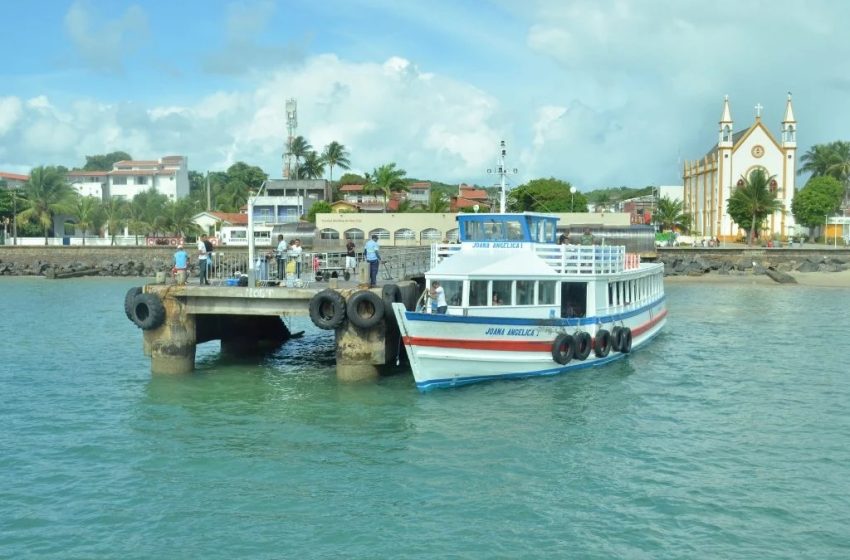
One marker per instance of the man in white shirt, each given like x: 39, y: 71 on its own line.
x: 280, y: 255
x: 438, y: 295
x: 202, y: 260
x: 295, y: 253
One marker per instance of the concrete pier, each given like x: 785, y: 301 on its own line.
x: 249, y: 320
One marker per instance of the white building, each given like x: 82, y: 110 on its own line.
x: 169, y: 176
x: 89, y: 183
x: 709, y: 181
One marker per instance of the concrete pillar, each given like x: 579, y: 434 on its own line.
x: 172, y: 345
x: 360, y: 352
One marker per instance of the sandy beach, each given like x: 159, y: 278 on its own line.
x: 818, y: 279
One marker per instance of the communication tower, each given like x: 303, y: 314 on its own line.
x: 291, y: 125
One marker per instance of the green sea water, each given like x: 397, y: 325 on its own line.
x: 729, y: 437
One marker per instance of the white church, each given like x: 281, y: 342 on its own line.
x: 711, y: 180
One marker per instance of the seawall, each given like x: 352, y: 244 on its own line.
x: 147, y: 261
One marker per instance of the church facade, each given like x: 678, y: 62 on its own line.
x: 709, y: 181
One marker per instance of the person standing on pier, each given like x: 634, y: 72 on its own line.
x: 296, y: 253
x: 350, y: 254
x: 202, y: 260
x: 181, y: 260
x: 373, y: 257
x: 280, y: 255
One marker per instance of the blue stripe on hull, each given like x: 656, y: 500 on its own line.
x: 426, y: 386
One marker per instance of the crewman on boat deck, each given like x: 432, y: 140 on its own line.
x: 587, y: 237
x: 563, y: 239
x: 438, y: 295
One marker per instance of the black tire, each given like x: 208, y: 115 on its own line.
x: 148, y: 311
x: 365, y: 309
x: 616, y: 338
x: 318, y: 276
x: 626, y: 345
x: 602, y: 343
x: 327, y: 309
x: 583, y: 345
x: 346, y: 275
x: 128, y: 301
x: 391, y: 294
x: 563, y: 348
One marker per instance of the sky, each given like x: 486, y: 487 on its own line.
x: 600, y: 93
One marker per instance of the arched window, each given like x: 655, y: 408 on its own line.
x: 380, y: 232
x: 354, y: 234
x: 329, y: 233
x: 727, y: 133
x: 452, y: 235
x: 405, y: 233
x: 429, y: 234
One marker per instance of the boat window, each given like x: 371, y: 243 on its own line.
x: 453, y: 290
x: 514, y: 231
x: 546, y: 293
x: 573, y: 299
x: 550, y: 231
x: 525, y: 292
x: 501, y: 292
x: 478, y: 293
x: 493, y: 230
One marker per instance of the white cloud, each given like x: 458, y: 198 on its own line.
x: 10, y: 112
x: 103, y: 45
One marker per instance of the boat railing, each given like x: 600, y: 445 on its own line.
x: 566, y: 259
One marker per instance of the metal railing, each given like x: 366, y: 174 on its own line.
x: 566, y: 259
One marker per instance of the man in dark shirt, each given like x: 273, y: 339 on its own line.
x: 209, y: 246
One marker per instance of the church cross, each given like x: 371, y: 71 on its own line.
x: 758, y: 110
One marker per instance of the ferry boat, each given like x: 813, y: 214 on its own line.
x: 522, y: 305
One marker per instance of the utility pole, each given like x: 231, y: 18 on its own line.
x: 209, y: 197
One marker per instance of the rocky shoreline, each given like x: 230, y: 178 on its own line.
x: 751, y: 264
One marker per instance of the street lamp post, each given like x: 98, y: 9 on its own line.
x: 572, y: 199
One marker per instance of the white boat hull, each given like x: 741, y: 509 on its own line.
x: 452, y: 350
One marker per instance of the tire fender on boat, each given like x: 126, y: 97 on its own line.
x: 365, y: 309
x: 616, y: 338
x: 148, y: 312
x: 583, y: 345
x: 626, y: 344
x: 390, y: 294
x: 327, y: 309
x: 602, y: 343
x: 563, y: 348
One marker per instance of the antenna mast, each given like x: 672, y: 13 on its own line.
x: 502, y: 171
x: 291, y: 125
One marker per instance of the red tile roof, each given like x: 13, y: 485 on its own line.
x: 351, y: 188
x: 81, y: 173
x: 235, y: 218
x: 459, y: 202
x: 127, y: 162
x: 422, y: 185
x: 13, y: 176
x: 466, y: 191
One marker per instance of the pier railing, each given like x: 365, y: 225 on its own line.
x: 566, y: 259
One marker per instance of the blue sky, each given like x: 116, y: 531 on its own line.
x: 596, y: 92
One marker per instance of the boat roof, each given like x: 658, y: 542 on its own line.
x: 493, y: 264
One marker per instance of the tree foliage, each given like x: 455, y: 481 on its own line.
x: 45, y: 194
x: 752, y: 202
x: 546, y: 195
x: 387, y: 179
x: 820, y: 197
x: 827, y: 160
x: 352, y: 179
x: 104, y: 162
x: 313, y: 166
x: 299, y: 148
x: 669, y: 215
x: 335, y: 155
x: 318, y: 207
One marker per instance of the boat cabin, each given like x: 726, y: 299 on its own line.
x: 511, y: 264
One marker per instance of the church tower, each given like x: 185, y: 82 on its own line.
x: 789, y: 151
x: 723, y: 184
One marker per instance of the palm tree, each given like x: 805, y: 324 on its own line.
x: 753, y: 201
x: 388, y: 179
x: 299, y: 148
x: 437, y: 203
x: 46, y: 193
x: 602, y: 198
x: 114, y: 214
x: 313, y: 166
x: 669, y: 214
x: 335, y: 155
x: 86, y: 210
x: 178, y: 217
